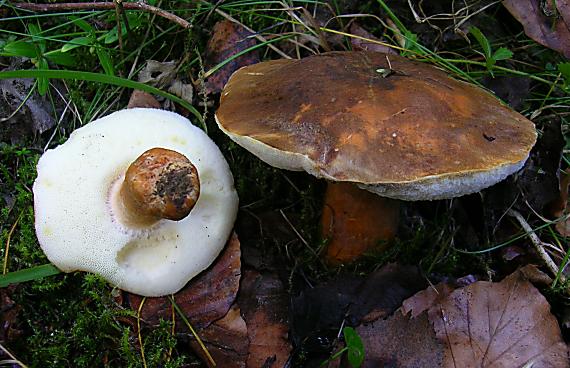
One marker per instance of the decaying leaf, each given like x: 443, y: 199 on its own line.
x: 17, y: 121
x: 158, y: 74
x: 228, y: 39
x: 401, y: 342
x: 539, y: 181
x: 263, y: 301
x: 358, y: 43
x: 541, y: 22
x: 559, y: 207
x: 504, y: 324
x: 319, y: 312
x: 8, y: 315
x: 226, y: 340
x: 142, y: 99
x: 204, y: 299
x: 164, y: 75
x: 356, y: 221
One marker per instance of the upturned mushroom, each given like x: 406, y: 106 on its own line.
x: 397, y: 128
x: 141, y: 197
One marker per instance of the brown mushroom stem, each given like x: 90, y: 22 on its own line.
x: 356, y: 222
x: 159, y: 184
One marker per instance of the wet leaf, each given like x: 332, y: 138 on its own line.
x: 502, y: 324
x: 543, y: 26
x: 227, y: 40
x: 264, y: 301
x: 204, y: 299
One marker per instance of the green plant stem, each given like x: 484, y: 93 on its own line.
x: 503, y: 69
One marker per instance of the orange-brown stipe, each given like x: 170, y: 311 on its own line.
x: 356, y: 222
x: 159, y: 184
x: 358, y: 123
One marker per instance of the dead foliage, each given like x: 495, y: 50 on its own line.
x: 263, y: 301
x: 228, y: 39
x: 319, y: 312
x: 484, y: 324
x: 545, y: 22
x: 33, y: 117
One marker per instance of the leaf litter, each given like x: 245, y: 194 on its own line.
x: 484, y: 324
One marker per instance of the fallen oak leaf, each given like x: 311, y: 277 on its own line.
x: 500, y: 324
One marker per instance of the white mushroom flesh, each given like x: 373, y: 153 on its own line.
x: 74, y: 199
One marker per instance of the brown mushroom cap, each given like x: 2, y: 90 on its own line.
x: 399, y: 128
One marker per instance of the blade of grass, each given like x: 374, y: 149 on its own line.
x: 101, y: 78
x: 198, y: 339
x: 29, y: 274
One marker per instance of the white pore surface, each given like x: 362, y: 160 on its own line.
x: 78, y: 231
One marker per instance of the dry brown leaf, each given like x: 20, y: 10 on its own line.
x: 401, y: 342
x: 228, y: 39
x: 226, y: 340
x: 263, y: 301
x: 204, y: 299
x: 356, y: 221
x: 541, y: 24
x: 142, y: 99
x: 359, y: 44
x: 504, y: 324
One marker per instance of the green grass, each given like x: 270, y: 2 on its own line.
x: 74, y: 320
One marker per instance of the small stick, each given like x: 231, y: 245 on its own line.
x: 139, y: 5
x: 538, y: 244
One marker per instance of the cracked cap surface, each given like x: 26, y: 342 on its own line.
x: 399, y: 128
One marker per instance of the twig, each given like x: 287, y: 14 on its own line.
x: 537, y: 243
x: 139, y: 5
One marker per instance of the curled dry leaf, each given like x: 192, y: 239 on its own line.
x: 504, y: 324
x: 227, y: 40
x: 263, y: 301
x: 541, y: 24
x: 204, y: 299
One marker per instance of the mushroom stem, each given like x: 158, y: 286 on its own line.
x: 356, y: 222
x: 159, y: 184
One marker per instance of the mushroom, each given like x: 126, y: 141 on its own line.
x: 397, y: 128
x: 141, y: 197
